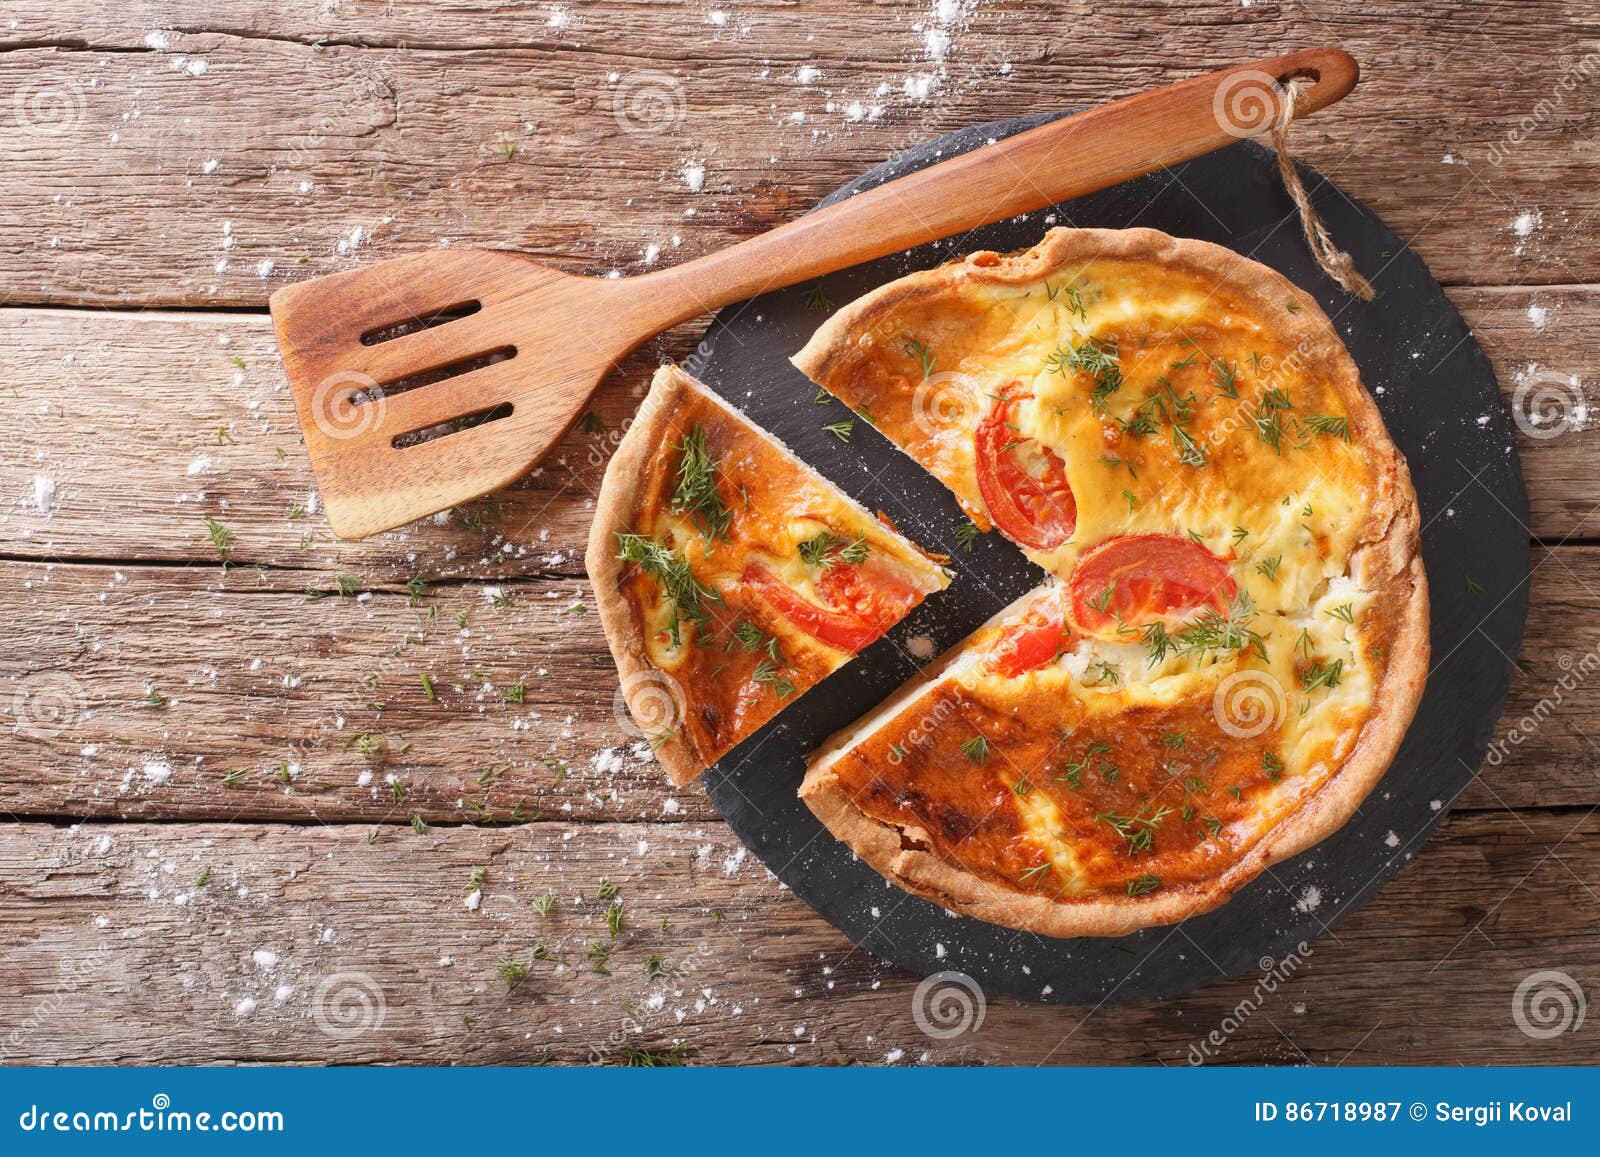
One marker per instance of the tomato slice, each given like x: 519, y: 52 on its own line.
x: 864, y: 601
x: 1036, y: 640
x: 1150, y: 576
x: 1023, y: 483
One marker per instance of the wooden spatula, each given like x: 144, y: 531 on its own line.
x: 426, y: 381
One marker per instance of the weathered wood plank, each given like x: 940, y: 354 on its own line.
x: 136, y: 178
x: 283, y: 708
x: 142, y: 426
x: 195, y: 411
x: 258, y: 680
x: 117, y: 953
x: 1549, y: 380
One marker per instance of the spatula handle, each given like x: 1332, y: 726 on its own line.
x: 1054, y: 162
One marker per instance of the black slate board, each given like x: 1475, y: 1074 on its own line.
x: 1440, y: 400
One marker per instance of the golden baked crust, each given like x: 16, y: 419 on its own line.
x: 1199, y: 717
x: 713, y: 612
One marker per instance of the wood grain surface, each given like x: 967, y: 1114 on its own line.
x: 244, y: 820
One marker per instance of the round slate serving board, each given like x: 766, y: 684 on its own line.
x: 1440, y: 400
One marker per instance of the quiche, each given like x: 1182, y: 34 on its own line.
x: 730, y: 577
x: 1231, y: 635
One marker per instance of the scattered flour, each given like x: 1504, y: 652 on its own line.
x: 44, y: 491
x: 1523, y: 225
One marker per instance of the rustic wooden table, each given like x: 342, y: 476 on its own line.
x: 275, y: 797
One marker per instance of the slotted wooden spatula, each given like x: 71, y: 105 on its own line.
x: 426, y: 381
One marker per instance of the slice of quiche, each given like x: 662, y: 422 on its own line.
x: 730, y: 576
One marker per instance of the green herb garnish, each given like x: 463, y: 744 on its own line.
x: 672, y: 571
x: 1328, y: 425
x: 923, y: 355
x: 1138, y: 831
x: 1144, y: 885
x: 1096, y: 358
x: 696, y: 495
x: 828, y: 550
x: 1321, y: 674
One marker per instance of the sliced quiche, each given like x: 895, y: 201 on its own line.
x: 730, y: 576
x: 1233, y: 634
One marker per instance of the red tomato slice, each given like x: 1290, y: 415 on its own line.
x: 1023, y: 483
x: 1036, y: 640
x: 863, y: 602
x: 1151, y: 576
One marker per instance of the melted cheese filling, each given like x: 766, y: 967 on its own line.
x: 1240, y: 449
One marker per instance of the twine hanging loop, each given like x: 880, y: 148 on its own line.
x: 1335, y: 262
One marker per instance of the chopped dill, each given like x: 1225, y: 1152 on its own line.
x: 696, y: 495
x: 828, y: 550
